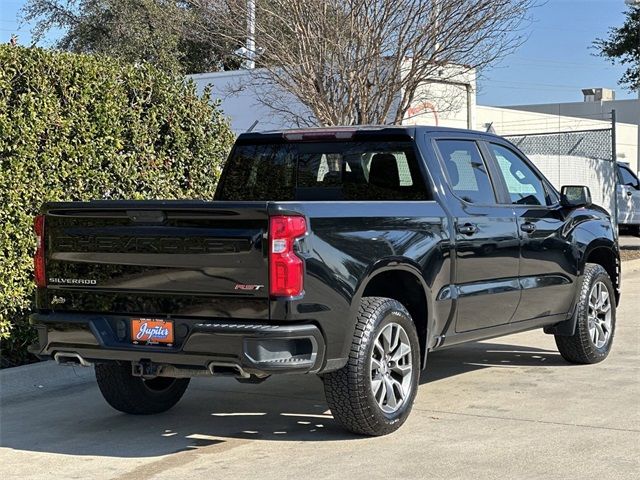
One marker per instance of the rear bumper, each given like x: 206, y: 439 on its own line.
x: 257, y: 348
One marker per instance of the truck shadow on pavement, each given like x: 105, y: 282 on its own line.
x: 217, y: 414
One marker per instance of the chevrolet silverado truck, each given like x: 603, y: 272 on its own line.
x: 350, y: 253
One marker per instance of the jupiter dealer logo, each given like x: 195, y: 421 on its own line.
x: 149, y: 334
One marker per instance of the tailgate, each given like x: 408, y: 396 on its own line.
x: 202, y: 259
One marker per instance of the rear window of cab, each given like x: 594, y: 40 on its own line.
x: 323, y: 171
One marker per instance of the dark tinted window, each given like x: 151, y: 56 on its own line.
x: 323, y: 171
x: 467, y: 171
x: 524, y: 186
x: 627, y: 178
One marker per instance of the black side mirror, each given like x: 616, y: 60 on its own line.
x: 575, y: 196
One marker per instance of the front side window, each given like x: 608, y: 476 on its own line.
x: 628, y: 178
x: 524, y: 186
x: 467, y: 171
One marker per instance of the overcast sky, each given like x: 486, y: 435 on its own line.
x: 552, y: 66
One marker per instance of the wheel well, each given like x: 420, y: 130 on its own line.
x: 605, y: 257
x: 406, y: 289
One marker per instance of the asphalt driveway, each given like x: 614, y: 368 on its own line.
x: 506, y: 408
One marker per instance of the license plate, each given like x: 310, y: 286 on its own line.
x: 149, y: 331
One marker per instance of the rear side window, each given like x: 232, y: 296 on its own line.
x: 324, y: 171
x: 467, y: 171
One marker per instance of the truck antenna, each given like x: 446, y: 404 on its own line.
x: 250, y: 129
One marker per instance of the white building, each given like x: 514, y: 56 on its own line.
x: 246, y: 98
x: 598, y: 104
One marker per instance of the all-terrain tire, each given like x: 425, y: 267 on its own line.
x: 137, y: 396
x: 349, y: 391
x: 581, y: 347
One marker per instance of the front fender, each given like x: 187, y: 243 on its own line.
x: 593, y: 239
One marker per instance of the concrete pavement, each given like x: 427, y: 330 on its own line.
x: 508, y: 408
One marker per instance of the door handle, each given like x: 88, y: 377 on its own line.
x: 629, y: 193
x: 528, y: 227
x: 467, y: 229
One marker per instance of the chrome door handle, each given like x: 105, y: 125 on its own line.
x: 528, y: 227
x: 467, y: 229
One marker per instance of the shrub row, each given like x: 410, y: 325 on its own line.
x: 82, y: 127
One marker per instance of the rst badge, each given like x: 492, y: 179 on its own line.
x: 247, y: 286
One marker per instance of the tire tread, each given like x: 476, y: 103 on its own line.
x: 579, y: 348
x: 346, y: 389
x: 126, y: 393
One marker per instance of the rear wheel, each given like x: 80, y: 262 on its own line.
x: 136, y: 395
x: 373, y: 394
x: 596, y: 319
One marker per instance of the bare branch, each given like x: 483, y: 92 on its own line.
x: 367, y: 61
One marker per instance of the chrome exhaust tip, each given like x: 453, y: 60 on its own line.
x: 72, y: 359
x: 227, y: 368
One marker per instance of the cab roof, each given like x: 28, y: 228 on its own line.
x: 371, y: 132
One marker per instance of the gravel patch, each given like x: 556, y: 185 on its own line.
x: 629, y: 254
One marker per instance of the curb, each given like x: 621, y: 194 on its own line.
x: 41, y: 378
x: 626, y: 242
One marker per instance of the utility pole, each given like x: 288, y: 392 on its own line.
x: 250, y: 62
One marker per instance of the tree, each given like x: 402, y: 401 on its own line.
x: 365, y: 61
x: 162, y: 32
x: 623, y: 45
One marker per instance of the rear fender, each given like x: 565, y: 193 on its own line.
x: 397, y: 264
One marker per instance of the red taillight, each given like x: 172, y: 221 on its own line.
x: 286, y: 269
x: 38, y: 259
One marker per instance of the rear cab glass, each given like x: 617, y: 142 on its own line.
x: 328, y: 170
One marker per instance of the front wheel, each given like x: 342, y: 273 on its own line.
x: 136, y: 395
x: 596, y: 319
x: 374, y: 392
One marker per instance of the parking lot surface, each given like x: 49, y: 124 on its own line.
x: 505, y: 408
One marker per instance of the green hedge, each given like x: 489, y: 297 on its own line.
x: 80, y: 127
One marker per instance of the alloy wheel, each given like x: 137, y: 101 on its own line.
x: 599, y: 314
x: 391, y: 368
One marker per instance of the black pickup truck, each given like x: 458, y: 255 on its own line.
x: 349, y: 253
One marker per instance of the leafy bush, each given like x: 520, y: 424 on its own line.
x: 80, y: 127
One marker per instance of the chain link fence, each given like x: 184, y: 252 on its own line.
x: 575, y: 158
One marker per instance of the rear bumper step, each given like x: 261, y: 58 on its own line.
x: 215, y: 347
